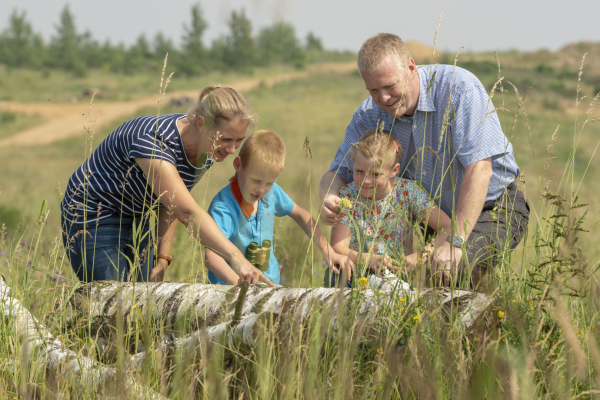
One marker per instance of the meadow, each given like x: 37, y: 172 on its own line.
x: 541, y: 339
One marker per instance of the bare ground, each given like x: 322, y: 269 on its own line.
x: 66, y: 120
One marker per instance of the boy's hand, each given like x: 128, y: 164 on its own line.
x: 378, y: 263
x: 248, y: 272
x: 331, y: 212
x: 340, y: 263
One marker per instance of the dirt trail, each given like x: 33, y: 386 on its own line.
x: 66, y: 120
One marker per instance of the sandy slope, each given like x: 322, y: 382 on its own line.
x: 67, y: 120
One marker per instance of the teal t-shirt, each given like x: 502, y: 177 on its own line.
x: 226, y: 212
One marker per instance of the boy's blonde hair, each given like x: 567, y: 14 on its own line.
x: 379, y: 146
x: 266, y: 148
x: 217, y: 103
x: 380, y: 47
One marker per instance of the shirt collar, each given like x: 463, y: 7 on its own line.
x: 425, y: 98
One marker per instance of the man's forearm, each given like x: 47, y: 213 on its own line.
x: 331, y: 183
x: 472, y: 196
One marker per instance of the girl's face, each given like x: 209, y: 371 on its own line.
x: 372, y: 178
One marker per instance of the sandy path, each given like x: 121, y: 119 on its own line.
x: 67, y: 120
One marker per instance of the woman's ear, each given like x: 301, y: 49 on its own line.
x: 237, y: 163
x: 200, y: 123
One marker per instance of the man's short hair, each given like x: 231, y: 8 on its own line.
x: 378, y: 48
x: 266, y: 148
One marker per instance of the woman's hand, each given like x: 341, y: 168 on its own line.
x: 158, y: 272
x: 378, y: 263
x: 340, y: 264
x: 248, y: 272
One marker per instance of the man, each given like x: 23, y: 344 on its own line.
x: 453, y: 145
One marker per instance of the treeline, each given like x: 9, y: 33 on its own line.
x: 75, y: 51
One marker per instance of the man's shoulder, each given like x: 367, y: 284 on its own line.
x: 442, y: 75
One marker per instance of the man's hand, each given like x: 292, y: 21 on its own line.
x: 329, y: 213
x: 248, y: 272
x: 340, y: 263
x: 158, y: 272
x: 444, y: 263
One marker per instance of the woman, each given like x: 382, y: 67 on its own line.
x: 149, y: 163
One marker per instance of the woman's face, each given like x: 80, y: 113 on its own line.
x: 372, y: 178
x: 225, y: 138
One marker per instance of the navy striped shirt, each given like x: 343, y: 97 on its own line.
x: 455, y: 125
x: 110, y: 183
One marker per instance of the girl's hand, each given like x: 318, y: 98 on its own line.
x: 340, y: 263
x: 378, y: 263
x: 248, y: 272
x: 158, y: 272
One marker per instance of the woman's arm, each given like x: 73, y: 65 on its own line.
x: 167, y: 224
x: 312, y: 230
x: 219, y: 267
x: 174, y: 195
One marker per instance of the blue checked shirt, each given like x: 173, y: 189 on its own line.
x: 454, y: 126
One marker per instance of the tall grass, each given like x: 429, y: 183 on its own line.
x: 540, y: 341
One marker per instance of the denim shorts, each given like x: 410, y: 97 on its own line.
x: 110, y: 249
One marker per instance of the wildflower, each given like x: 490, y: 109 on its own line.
x: 501, y: 314
x: 2, y: 254
x: 531, y: 308
x: 416, y: 318
x: 345, y: 203
x: 476, y: 339
x: 403, y: 299
x: 380, y: 350
x: 23, y: 243
x: 504, y: 339
x: 363, y: 282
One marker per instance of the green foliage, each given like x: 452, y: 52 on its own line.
x: 194, y: 58
x: 239, y: 51
x: 19, y: 45
x: 278, y: 43
x: 66, y: 46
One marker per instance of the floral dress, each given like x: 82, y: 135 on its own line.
x: 386, y: 225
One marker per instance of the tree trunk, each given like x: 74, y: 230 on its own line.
x: 199, y: 314
x: 39, y: 346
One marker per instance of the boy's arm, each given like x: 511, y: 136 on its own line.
x: 218, y: 266
x: 308, y: 225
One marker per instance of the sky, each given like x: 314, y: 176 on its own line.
x: 343, y: 25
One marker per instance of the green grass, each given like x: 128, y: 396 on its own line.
x: 547, y: 288
x: 11, y: 123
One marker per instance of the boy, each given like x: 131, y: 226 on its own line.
x: 245, y: 210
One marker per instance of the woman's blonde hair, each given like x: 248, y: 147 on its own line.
x: 379, y: 146
x: 266, y: 148
x: 217, y: 103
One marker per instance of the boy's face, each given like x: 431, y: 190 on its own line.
x: 254, y: 181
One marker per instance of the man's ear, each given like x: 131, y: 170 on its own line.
x: 200, y: 123
x: 412, y: 66
x: 237, y: 163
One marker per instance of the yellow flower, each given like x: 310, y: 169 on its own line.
x: 504, y: 339
x: 476, y: 339
x: 363, y: 282
x: 345, y: 203
x: 416, y: 318
x: 531, y: 308
x: 380, y: 351
x: 501, y: 314
x: 403, y: 300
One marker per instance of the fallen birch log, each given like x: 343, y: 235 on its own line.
x: 38, y: 345
x: 191, y: 313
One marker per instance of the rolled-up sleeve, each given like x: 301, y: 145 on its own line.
x: 477, y: 131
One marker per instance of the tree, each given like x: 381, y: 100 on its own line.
x: 239, y: 51
x: 194, y: 53
x: 19, y: 45
x: 66, y: 46
x: 278, y: 43
x: 313, y: 43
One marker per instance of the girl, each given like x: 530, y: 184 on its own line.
x: 384, y: 207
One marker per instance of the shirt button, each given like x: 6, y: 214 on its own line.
x: 415, y: 126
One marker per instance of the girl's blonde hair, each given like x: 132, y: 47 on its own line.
x: 266, y: 148
x: 217, y: 103
x: 379, y: 146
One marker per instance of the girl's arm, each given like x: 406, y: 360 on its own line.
x: 439, y: 221
x: 174, y: 195
x: 218, y: 266
x: 167, y: 224
x: 312, y: 230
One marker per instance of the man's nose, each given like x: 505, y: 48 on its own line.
x: 384, y: 96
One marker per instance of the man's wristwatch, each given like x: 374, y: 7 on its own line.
x: 456, y: 240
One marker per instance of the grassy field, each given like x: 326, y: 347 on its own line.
x: 529, y: 351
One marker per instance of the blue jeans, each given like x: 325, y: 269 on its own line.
x: 108, y: 249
